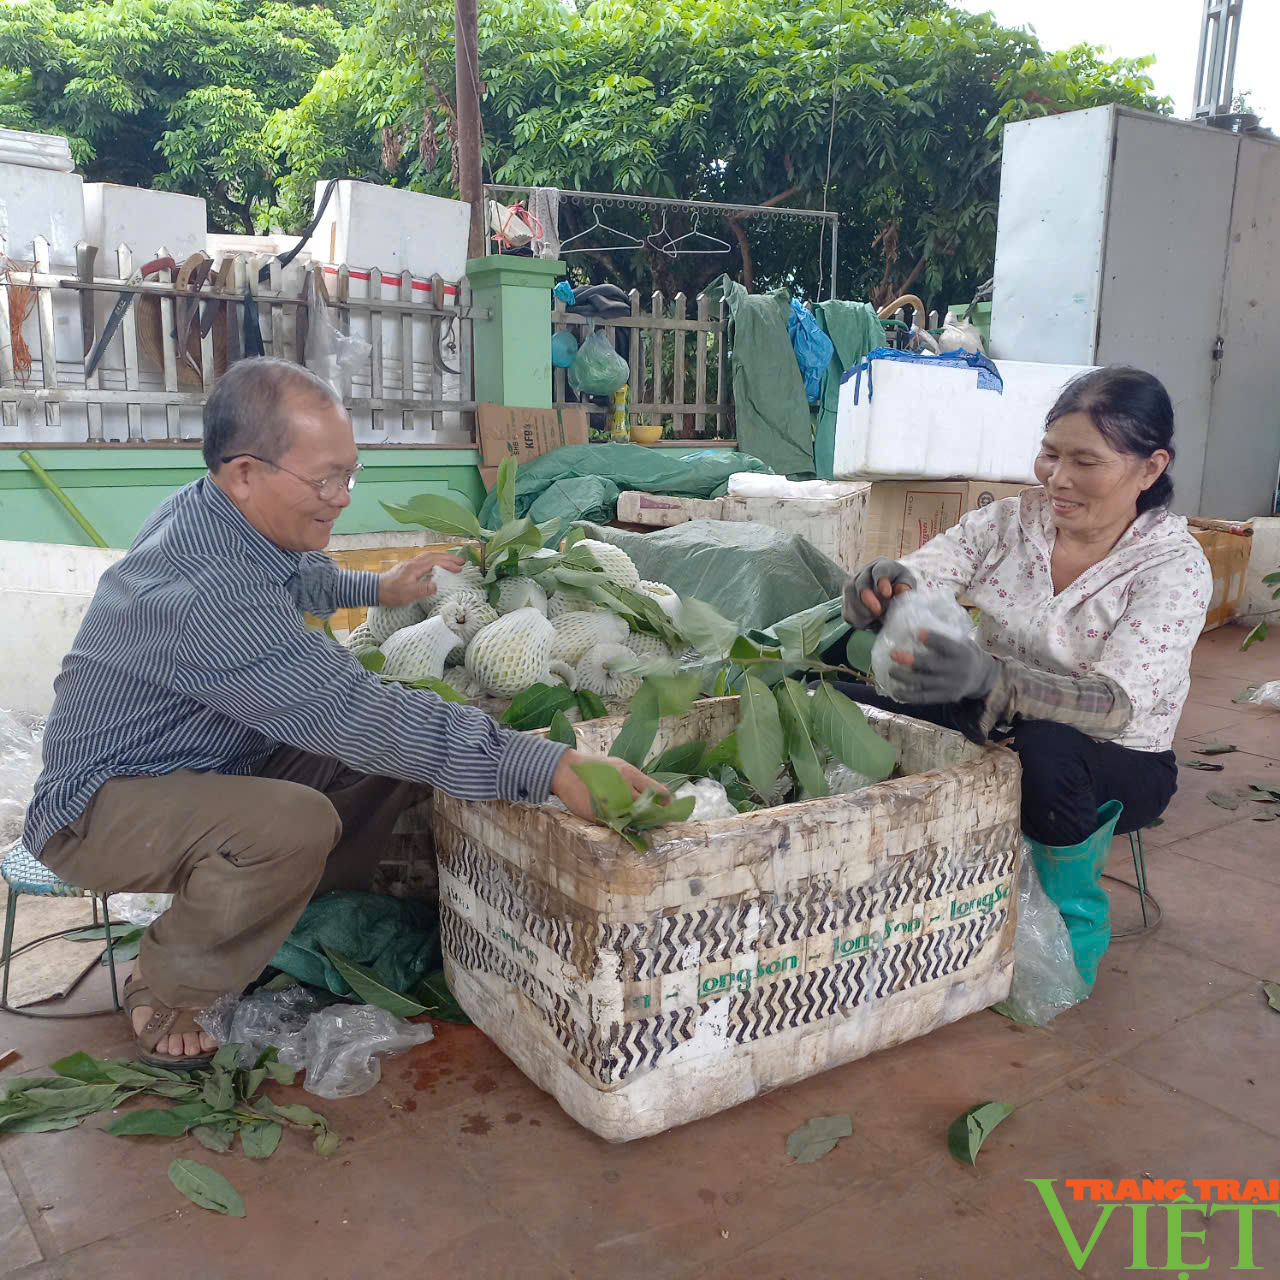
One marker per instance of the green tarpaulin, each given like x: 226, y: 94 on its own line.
x: 769, y: 402
x: 750, y: 573
x: 582, y: 481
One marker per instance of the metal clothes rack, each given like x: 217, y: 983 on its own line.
x: 829, y: 220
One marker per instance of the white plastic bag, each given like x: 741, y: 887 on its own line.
x: 19, y: 769
x: 335, y: 1044
x: 1267, y: 695
x: 930, y: 609
x: 710, y: 800
x: 1045, y: 978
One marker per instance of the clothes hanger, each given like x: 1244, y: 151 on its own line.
x: 674, y: 251
x: 630, y: 242
x: 662, y: 231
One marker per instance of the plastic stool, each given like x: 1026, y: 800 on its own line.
x: 1150, y: 917
x: 25, y: 874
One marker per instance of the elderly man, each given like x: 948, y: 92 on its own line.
x: 203, y: 742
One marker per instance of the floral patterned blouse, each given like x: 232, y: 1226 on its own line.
x: 1134, y: 617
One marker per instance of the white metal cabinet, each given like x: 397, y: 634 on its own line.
x: 1131, y: 238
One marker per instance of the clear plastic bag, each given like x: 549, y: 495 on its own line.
x: 711, y: 801
x: 139, y: 908
x: 843, y: 781
x: 598, y: 370
x: 928, y: 609
x: 1267, y: 695
x: 1045, y: 978
x: 19, y: 769
x: 333, y: 1042
x: 329, y: 353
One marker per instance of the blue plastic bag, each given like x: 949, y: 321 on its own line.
x: 564, y: 349
x: 812, y: 347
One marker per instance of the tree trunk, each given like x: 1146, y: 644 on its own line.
x: 470, y: 169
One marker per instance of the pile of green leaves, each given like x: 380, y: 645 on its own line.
x: 214, y: 1105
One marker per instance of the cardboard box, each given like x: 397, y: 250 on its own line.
x: 663, y: 510
x: 525, y: 434
x: 1228, y: 548
x: 902, y: 515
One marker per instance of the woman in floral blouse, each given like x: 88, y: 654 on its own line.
x: 1092, y: 595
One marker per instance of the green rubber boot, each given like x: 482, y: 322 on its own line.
x: 1071, y: 876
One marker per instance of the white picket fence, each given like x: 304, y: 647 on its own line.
x: 414, y: 386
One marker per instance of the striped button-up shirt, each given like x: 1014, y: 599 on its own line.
x: 194, y: 655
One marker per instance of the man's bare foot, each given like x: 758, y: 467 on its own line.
x: 188, y: 1045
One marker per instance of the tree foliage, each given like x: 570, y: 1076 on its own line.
x: 166, y: 93
x: 699, y: 99
x: 711, y: 100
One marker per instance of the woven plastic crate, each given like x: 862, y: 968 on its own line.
x: 645, y: 990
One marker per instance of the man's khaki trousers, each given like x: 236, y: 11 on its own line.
x: 242, y: 857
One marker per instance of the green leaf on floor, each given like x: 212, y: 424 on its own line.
x: 165, y: 1122
x: 206, y: 1187
x: 1155, y: 822
x: 119, y: 952
x: 326, y: 1142
x: 365, y: 983
x: 219, y: 1090
x: 441, y: 1004
x: 969, y: 1131
x: 98, y: 933
x: 1246, y: 695
x: 1273, y: 995
x: 1216, y: 749
x: 1223, y: 799
x: 85, y: 1068
x: 1268, y: 788
x: 1202, y: 765
x: 260, y: 1140
x: 215, y: 1137
x: 814, y: 1139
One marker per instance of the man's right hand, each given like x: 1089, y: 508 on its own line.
x: 867, y: 592
x: 572, y: 792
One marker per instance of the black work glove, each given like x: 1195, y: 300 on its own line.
x: 881, y: 580
x: 946, y: 670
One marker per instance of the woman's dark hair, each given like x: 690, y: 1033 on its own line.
x: 1134, y: 414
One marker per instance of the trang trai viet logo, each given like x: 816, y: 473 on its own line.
x: 1168, y: 1221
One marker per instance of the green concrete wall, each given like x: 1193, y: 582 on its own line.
x: 117, y: 488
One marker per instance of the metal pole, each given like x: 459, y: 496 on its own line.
x: 470, y: 168
x: 835, y: 233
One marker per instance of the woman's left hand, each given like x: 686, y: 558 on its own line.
x: 945, y: 670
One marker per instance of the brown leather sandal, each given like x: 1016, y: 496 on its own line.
x: 164, y: 1022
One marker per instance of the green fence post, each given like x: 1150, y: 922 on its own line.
x: 513, y: 345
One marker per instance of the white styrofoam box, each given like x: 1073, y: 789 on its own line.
x: 373, y: 226
x: 36, y: 150
x: 48, y: 587
x: 1264, y: 559
x: 832, y: 523
x: 646, y: 990
x: 144, y: 220
x: 41, y: 202
x: 666, y: 510
x: 926, y: 419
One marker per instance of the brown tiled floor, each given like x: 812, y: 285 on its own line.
x: 456, y: 1166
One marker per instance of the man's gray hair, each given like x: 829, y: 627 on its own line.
x: 245, y: 413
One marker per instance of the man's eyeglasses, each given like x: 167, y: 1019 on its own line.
x: 327, y: 488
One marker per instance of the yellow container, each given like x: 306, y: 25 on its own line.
x: 646, y: 433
